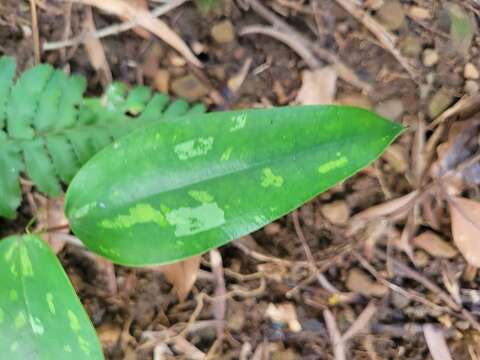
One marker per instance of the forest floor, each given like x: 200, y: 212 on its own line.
x: 371, y: 269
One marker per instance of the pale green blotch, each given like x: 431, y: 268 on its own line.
x: 9, y: 253
x: 260, y: 219
x: 331, y: 165
x: 14, y: 347
x: 190, y: 221
x: 25, y: 263
x: 13, y: 270
x: 67, y: 348
x: 110, y: 251
x: 13, y: 295
x: 36, y: 324
x: 140, y: 214
x: 193, y: 148
x: 51, y: 305
x: 74, y: 322
x: 84, y: 345
x: 20, y: 320
x: 238, y: 122
x: 226, y: 154
x: 84, y: 210
x: 201, y: 196
x: 270, y: 179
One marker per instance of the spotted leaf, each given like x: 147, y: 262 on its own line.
x: 41, y: 317
x: 179, y: 188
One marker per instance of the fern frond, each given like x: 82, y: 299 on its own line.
x: 48, y: 129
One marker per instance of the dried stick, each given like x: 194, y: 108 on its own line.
x: 335, y: 337
x: 36, y: 36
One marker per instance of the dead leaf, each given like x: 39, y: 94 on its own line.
x: 434, y: 245
x: 95, y: 50
x: 147, y: 21
x: 284, y: 313
x: 462, y: 143
x: 436, y: 343
x: 465, y: 215
x: 432, y: 211
x: 359, y: 282
x: 182, y: 275
x: 50, y: 215
x: 318, y: 86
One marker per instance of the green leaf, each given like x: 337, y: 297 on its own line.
x: 179, y: 188
x: 41, y: 317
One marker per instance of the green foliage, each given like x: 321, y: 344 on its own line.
x: 211, y: 178
x: 49, y: 130
x: 41, y: 317
x: 208, y: 5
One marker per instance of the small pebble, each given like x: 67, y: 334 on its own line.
x: 430, y: 57
x: 399, y: 301
x: 471, y: 87
x: 470, y: 72
x: 439, y: 102
x: 419, y: 13
x: 391, y: 109
x: 411, y: 45
x: 272, y: 229
x: 336, y: 212
x: 374, y: 4
x: 391, y: 15
x: 223, y: 32
x: 189, y: 87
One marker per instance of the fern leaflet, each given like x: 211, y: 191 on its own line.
x: 48, y: 129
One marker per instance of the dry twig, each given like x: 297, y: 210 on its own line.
x: 335, y: 336
x: 36, y: 36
